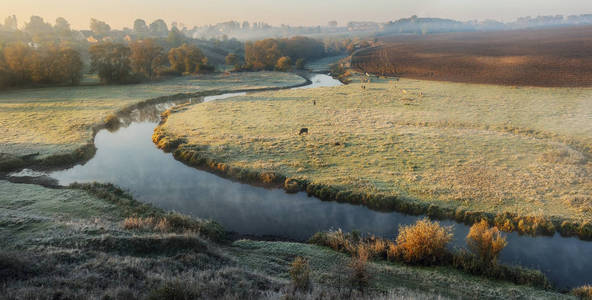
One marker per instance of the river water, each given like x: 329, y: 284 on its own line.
x: 129, y: 159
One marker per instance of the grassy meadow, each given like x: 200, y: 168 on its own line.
x: 48, y: 122
x: 94, y: 241
x: 462, y: 147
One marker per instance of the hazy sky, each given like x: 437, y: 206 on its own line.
x: 120, y: 13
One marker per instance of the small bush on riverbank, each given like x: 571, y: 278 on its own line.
x: 359, y: 276
x: 424, y: 242
x: 300, y: 273
x: 583, y: 292
x: 485, y: 242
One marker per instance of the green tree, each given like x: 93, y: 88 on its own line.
x: 299, y: 64
x: 146, y: 57
x: 62, y: 28
x: 283, y: 64
x: 159, y: 28
x: 10, y: 23
x: 175, y: 37
x: 111, y: 61
x: 99, y: 28
x: 233, y: 60
x: 39, y: 30
x: 37, y: 25
x: 188, y: 59
x: 140, y: 27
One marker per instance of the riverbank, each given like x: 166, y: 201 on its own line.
x: 55, y: 127
x: 95, y: 241
x: 448, y: 150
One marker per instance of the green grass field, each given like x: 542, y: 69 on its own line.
x: 73, y: 243
x: 53, y: 121
x: 474, y: 147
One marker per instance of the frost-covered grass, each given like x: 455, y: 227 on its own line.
x: 474, y: 147
x: 74, y: 243
x: 51, y: 121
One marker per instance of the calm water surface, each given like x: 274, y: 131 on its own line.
x: 129, y: 159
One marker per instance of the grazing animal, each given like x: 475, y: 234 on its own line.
x: 314, y: 102
x: 303, y: 131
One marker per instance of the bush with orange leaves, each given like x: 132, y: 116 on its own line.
x: 485, y: 242
x: 424, y: 242
x: 359, y: 276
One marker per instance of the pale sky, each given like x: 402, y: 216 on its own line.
x: 120, y: 13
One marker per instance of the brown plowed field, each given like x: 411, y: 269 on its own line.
x: 550, y: 57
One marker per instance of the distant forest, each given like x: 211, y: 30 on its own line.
x: 40, y: 53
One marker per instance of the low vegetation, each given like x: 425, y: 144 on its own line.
x: 300, y: 273
x: 517, y: 157
x: 425, y: 243
x: 583, y: 292
x: 95, y: 241
x: 485, y: 242
x: 55, y: 126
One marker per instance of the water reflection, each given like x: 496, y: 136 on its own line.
x: 129, y: 159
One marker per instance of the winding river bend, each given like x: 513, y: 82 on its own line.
x: 129, y: 159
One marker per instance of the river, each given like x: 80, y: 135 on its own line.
x: 129, y: 159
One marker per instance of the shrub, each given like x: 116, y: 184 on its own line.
x: 300, y: 273
x: 486, y: 242
x: 423, y: 243
x: 583, y: 292
x: 359, y: 276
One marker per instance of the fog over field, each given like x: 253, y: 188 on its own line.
x: 291, y: 12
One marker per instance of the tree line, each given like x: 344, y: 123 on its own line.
x: 281, y: 54
x: 23, y: 65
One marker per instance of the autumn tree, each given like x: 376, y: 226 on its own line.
x: 111, y: 61
x: 5, y: 76
x: 146, y: 57
x: 188, y: 59
x: 70, y: 66
x: 262, y: 55
x: 283, y: 64
x: 16, y: 59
